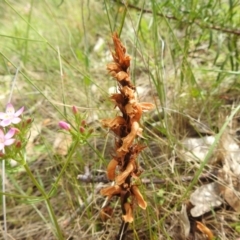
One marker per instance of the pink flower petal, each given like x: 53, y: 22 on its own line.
x: 10, y: 108
x: 64, y: 125
x: 2, y: 115
x: 10, y: 133
x: 5, y: 122
x: 9, y: 142
x: 19, y: 112
x: 16, y: 120
x: 16, y: 130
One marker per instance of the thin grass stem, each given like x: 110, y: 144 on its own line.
x: 108, y: 16
x: 27, y: 33
x: 73, y: 149
x: 61, y: 76
x: 48, y: 203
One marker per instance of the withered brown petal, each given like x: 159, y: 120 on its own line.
x: 111, y: 169
x: 106, y: 122
x: 141, y: 202
x: 128, y: 217
x: 122, y: 176
x: 113, y: 73
x: 134, y: 110
x: 119, y: 49
x: 128, y: 92
x: 126, y: 61
x: 117, y: 97
x: 147, y: 106
x: 113, y: 66
x: 127, y: 141
x: 111, y: 190
x: 121, y: 76
x: 113, y: 122
x: 121, y: 153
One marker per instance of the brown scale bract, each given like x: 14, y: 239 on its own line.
x: 123, y: 167
x: 119, y: 56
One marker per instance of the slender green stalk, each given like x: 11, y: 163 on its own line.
x: 27, y: 33
x: 123, y: 20
x: 21, y: 38
x: 62, y: 85
x: 23, y: 196
x: 108, y: 16
x: 64, y: 167
x: 47, y: 200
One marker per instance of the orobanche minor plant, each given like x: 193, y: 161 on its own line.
x: 123, y: 169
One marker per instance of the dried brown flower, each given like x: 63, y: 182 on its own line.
x: 141, y: 202
x: 111, y: 169
x: 128, y: 140
x: 120, y: 179
x: 115, y: 124
x: 126, y: 128
x: 128, y: 216
x: 111, y: 190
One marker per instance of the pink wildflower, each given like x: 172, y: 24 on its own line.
x: 10, y: 116
x: 6, y: 140
x: 64, y: 125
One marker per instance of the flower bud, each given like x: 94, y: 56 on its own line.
x: 18, y: 144
x: 81, y: 129
x: 64, y: 125
x: 74, y: 110
x: 29, y: 120
x: 83, y: 123
x: 16, y: 130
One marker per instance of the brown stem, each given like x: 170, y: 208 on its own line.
x: 122, y: 232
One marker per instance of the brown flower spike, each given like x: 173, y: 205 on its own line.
x: 124, y: 167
